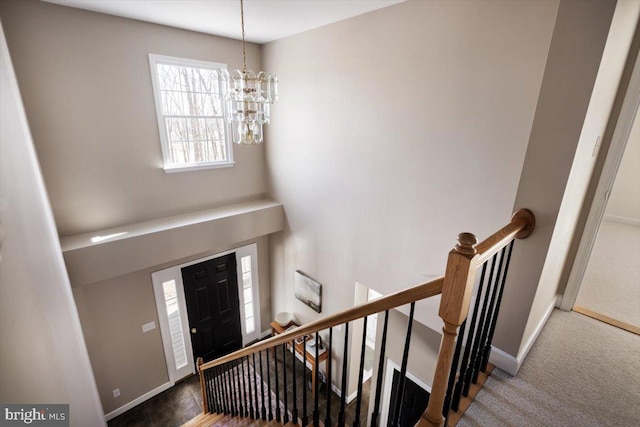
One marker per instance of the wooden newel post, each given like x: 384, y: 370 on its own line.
x: 199, y: 363
x: 454, y: 307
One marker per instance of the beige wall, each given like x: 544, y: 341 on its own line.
x: 86, y: 85
x: 574, y: 58
x: 624, y: 201
x: 396, y: 131
x: 112, y: 313
x: 43, y: 358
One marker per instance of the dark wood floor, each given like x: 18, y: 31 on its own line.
x: 183, y: 402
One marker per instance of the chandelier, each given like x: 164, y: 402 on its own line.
x: 248, y: 98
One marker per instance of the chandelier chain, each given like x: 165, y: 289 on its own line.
x: 244, y: 54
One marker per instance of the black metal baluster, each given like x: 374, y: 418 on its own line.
x: 466, y: 384
x: 241, y: 407
x: 207, y: 392
x: 223, y: 389
x: 234, y: 387
x: 275, y: 362
x: 305, y: 418
x: 239, y: 394
x: 212, y: 391
x: 403, y: 369
x: 487, y: 349
x: 453, y: 371
x: 243, y: 388
x: 245, y: 378
x: 250, y: 407
x: 285, y: 416
x: 464, y: 365
x: 345, y: 362
x: 327, y: 421
x: 356, y: 420
x: 216, y: 388
x: 316, y: 391
x: 264, y: 409
x: 383, y: 346
x: 485, y: 329
x: 256, y: 406
x: 269, y: 386
x: 294, y: 413
x: 229, y: 390
x: 223, y: 397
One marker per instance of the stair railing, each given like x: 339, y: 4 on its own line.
x: 229, y: 383
x: 218, y: 385
x: 453, y: 377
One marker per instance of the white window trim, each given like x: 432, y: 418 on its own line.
x: 175, y: 273
x: 162, y: 129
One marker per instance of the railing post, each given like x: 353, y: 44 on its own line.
x: 454, y: 306
x: 200, y: 362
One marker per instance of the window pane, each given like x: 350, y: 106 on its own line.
x: 251, y: 326
x: 248, y: 308
x: 171, y: 102
x: 175, y: 324
x: 246, y: 263
x: 246, y: 281
x: 248, y: 295
x: 176, y: 130
x: 168, y: 77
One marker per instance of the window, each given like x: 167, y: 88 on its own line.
x: 247, y: 286
x: 193, y: 132
x: 175, y: 323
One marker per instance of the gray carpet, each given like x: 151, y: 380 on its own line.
x: 611, y: 284
x: 580, y: 372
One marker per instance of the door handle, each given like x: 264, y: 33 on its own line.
x: 194, y: 330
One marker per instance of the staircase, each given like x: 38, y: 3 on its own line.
x: 222, y: 420
x: 237, y: 391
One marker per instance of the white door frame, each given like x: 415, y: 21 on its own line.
x: 388, y: 383
x: 175, y: 273
x: 603, y: 190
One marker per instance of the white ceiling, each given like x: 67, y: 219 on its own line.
x: 265, y: 20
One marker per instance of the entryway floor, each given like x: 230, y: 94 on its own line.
x: 171, y: 408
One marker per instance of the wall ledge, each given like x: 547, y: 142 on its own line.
x: 117, y: 251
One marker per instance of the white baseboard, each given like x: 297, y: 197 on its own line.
x: 511, y: 364
x: 349, y: 398
x: 504, y: 361
x: 265, y: 334
x: 622, y: 220
x: 124, y: 408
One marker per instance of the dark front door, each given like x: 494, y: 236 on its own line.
x: 211, y: 293
x: 414, y: 401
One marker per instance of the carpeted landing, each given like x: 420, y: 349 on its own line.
x: 580, y: 372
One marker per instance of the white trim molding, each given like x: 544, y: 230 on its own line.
x: 622, y: 220
x: 605, y: 184
x: 135, y: 402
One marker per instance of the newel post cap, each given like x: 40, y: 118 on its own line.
x: 466, y: 243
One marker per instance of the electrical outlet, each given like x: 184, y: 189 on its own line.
x: 148, y: 327
x: 116, y: 392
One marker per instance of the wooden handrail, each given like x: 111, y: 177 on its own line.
x: 522, y: 224
x: 425, y: 290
